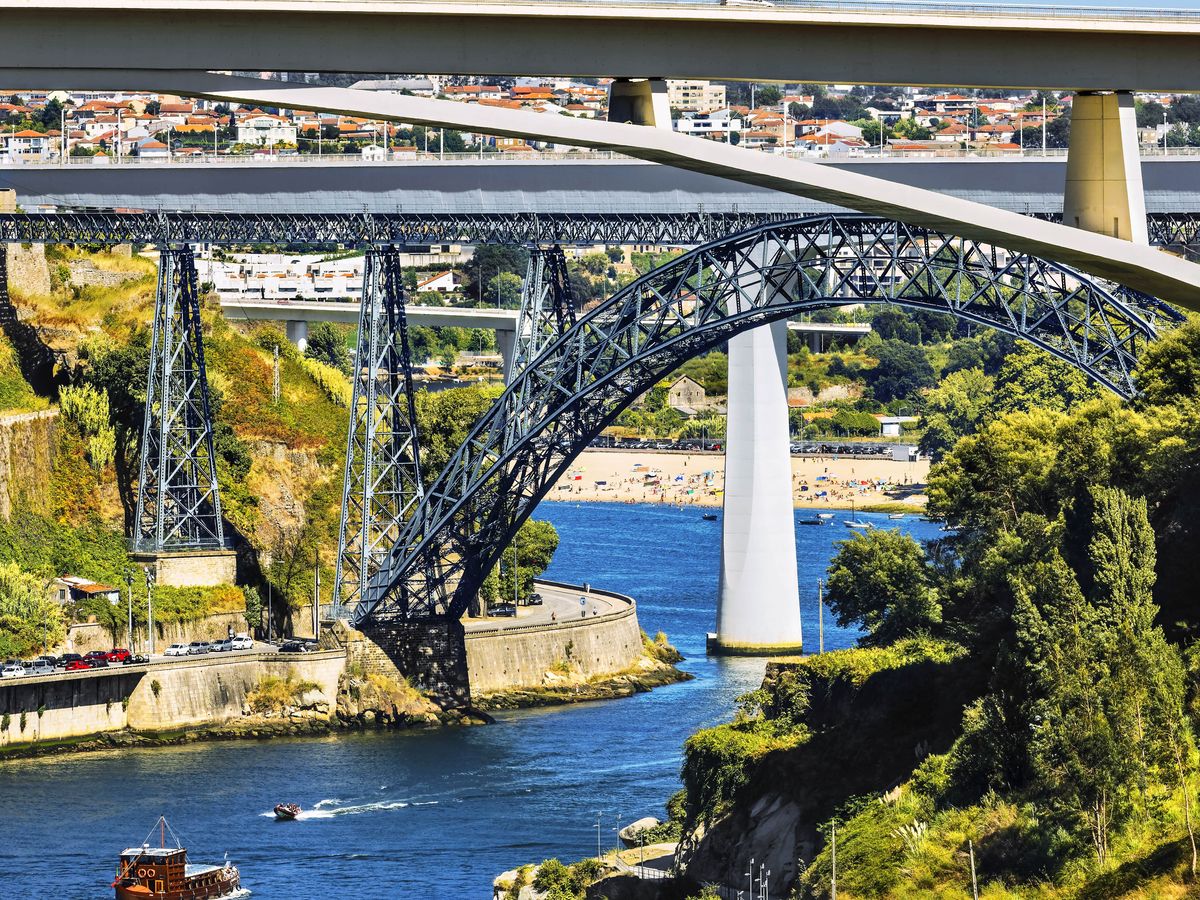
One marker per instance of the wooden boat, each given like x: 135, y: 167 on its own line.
x: 709, y: 517
x: 164, y: 873
x: 286, y: 812
x: 817, y: 521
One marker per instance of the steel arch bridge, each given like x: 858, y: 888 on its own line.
x: 579, y: 382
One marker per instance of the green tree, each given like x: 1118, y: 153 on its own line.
x: 1031, y: 377
x: 85, y: 409
x: 532, y: 550
x: 506, y: 287
x: 882, y: 581
x: 1170, y: 368
x: 953, y: 409
x: 903, y: 370
x: 30, y: 622
x: 327, y: 344
x: 487, y: 260
x: 444, y: 418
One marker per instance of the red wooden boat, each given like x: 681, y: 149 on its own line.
x: 164, y: 873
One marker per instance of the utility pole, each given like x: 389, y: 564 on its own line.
x: 316, y: 617
x: 750, y: 874
x: 833, y: 865
x: 275, y: 375
x: 820, y: 616
x: 129, y: 599
x: 974, y: 882
x: 599, y: 816
x: 1043, y: 124
x: 150, y: 611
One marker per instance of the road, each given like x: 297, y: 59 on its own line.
x: 559, y: 605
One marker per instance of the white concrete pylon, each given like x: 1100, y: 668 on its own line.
x: 1104, y: 191
x: 758, y: 601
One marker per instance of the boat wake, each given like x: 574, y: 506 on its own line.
x: 327, y: 809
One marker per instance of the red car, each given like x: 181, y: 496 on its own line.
x: 117, y: 655
x: 77, y: 665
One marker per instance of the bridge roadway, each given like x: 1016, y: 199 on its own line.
x: 838, y: 42
x: 583, y: 186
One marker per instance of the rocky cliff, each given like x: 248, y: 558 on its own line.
x: 27, y: 443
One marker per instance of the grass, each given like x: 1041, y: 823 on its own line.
x: 15, y: 393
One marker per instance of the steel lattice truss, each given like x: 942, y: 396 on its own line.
x: 578, y: 384
x: 178, y: 505
x: 1179, y: 231
x: 547, y: 305
x: 383, y: 467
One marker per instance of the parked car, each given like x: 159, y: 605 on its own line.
x: 96, y: 662
x: 78, y: 665
x: 502, y: 609
x: 51, y: 661
x: 135, y: 659
x: 40, y: 667
x: 295, y: 647
x: 96, y: 654
x: 220, y: 646
x: 176, y: 650
x: 12, y: 670
x: 196, y: 648
x: 241, y: 642
x: 67, y: 658
x: 535, y: 600
x: 118, y: 655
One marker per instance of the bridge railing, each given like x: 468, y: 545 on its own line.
x: 1148, y: 151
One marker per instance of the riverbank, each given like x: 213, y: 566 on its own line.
x: 698, y: 479
x: 566, y: 684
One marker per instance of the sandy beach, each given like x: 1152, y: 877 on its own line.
x: 698, y: 479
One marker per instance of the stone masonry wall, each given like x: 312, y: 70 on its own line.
x: 188, y: 692
x: 508, y: 658
x: 26, y: 459
x: 86, y: 636
x: 430, y: 655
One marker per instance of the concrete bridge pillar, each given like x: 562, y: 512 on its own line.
x: 506, y: 344
x: 1104, y: 173
x: 297, y: 333
x: 640, y: 102
x: 758, y: 601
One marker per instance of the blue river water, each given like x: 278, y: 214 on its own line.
x: 422, y: 814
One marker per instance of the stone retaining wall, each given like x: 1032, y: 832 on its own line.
x: 510, y: 658
x: 86, y: 636
x: 26, y: 459
x: 184, y: 693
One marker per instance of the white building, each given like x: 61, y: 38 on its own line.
x: 697, y: 95
x: 265, y: 130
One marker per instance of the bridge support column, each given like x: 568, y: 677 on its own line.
x: 1104, y: 174
x: 178, y: 503
x: 297, y: 333
x: 758, y: 602
x: 506, y: 344
x: 640, y: 102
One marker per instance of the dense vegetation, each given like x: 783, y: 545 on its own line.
x: 1068, y: 588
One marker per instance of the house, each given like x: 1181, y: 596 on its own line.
x: 441, y: 282
x: 150, y: 149
x: 686, y: 396
x: 72, y: 589
x: 891, y: 426
x: 26, y: 146
x: 952, y: 134
x: 265, y: 129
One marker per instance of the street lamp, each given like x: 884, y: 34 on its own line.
x: 129, y: 598
x: 149, y: 610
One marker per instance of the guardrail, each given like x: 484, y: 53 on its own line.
x: 178, y: 662
x: 865, y: 154
x: 629, y: 609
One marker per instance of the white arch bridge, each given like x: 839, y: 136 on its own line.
x: 432, y: 553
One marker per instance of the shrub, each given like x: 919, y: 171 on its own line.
x: 273, y: 694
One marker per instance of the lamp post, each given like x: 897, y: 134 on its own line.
x: 599, y: 816
x: 129, y: 598
x: 150, y: 610
x: 119, y: 112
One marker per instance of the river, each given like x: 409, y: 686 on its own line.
x: 423, y: 814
